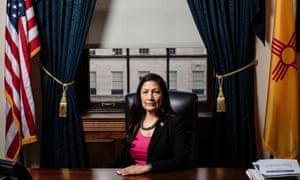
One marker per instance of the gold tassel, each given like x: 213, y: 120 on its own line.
x: 63, y: 104
x: 221, y: 103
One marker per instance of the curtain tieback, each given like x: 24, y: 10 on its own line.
x: 63, y: 100
x: 221, y: 103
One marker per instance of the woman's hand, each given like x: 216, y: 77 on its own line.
x: 134, y: 170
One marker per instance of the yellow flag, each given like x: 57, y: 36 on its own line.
x: 281, y: 122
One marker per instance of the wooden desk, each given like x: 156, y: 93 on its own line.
x: 110, y: 174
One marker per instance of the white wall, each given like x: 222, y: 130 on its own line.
x: 2, y: 99
x: 263, y: 54
x: 143, y: 23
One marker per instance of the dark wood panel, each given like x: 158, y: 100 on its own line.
x: 100, y: 152
x: 104, y: 135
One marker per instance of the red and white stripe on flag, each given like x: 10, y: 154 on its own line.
x: 21, y: 44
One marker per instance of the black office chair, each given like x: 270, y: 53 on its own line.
x: 184, y: 104
x: 12, y: 170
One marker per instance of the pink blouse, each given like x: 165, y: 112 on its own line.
x: 139, y: 148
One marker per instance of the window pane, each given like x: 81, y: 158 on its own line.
x: 117, y: 51
x: 184, y: 69
x: 144, y: 51
x: 142, y: 64
x: 172, y: 51
x: 199, y: 84
x: 187, y: 62
x: 109, y: 67
x: 117, y: 83
x: 173, y: 80
x: 93, y: 89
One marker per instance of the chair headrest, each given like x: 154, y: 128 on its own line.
x: 183, y: 103
x: 13, y: 170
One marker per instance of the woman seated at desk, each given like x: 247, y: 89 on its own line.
x: 156, y: 137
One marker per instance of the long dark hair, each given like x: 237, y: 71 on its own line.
x: 137, y: 112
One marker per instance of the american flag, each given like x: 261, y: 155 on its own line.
x: 21, y: 44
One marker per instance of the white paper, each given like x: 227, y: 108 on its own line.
x: 254, y: 174
x: 278, y: 167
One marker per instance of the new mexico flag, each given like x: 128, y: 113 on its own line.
x: 281, y: 121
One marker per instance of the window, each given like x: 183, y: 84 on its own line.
x: 93, y: 89
x: 117, y: 51
x: 122, y: 47
x: 172, y: 51
x: 113, y: 76
x: 173, y: 80
x: 144, y: 51
x: 198, y: 85
x: 117, y: 83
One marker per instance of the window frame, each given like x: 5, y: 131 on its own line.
x: 83, y: 90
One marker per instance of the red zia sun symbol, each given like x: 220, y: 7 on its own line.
x: 287, y: 57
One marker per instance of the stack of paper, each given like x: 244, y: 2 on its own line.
x: 274, y: 168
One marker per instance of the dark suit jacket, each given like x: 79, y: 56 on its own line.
x: 168, y: 149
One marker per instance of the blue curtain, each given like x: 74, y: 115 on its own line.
x: 63, y: 27
x: 228, y: 29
